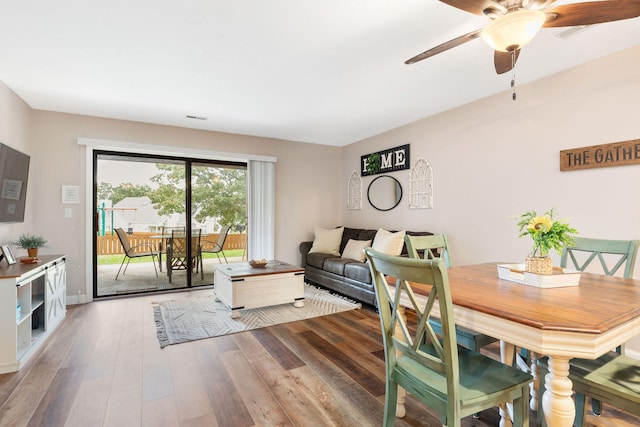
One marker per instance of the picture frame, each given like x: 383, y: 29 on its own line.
x: 8, y: 255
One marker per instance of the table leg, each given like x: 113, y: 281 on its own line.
x: 559, y: 409
x: 532, y: 368
x: 535, y: 385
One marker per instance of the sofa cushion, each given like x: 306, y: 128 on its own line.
x: 358, y: 271
x: 327, y: 241
x: 335, y: 265
x: 317, y: 260
x: 348, y: 234
x: 388, y: 242
x: 366, y: 234
x: 355, y: 234
x: 354, y: 249
x: 343, y: 275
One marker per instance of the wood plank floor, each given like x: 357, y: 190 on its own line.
x: 104, y: 367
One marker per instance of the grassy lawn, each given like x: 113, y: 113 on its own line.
x: 117, y: 259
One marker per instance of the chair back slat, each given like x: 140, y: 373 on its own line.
x: 419, y: 341
x: 222, y: 236
x: 430, y: 247
x: 611, y: 254
x: 196, y: 235
x: 136, y: 251
x: 215, y: 247
x: 124, y: 240
x: 178, y: 242
x: 166, y: 230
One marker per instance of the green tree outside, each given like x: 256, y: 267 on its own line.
x: 106, y: 191
x: 216, y: 192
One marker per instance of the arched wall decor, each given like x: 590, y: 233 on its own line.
x: 354, y: 196
x: 421, y: 185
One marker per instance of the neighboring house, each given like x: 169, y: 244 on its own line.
x: 138, y: 214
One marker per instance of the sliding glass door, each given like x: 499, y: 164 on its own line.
x: 158, y: 219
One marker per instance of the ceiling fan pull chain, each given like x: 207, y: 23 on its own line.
x: 513, y: 76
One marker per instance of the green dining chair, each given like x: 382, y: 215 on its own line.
x: 612, y: 378
x: 436, y: 246
x: 456, y: 382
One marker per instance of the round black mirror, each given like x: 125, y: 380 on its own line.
x: 384, y: 193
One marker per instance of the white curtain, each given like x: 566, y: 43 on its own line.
x: 261, y: 227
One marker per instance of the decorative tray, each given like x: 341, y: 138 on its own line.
x: 561, y: 277
x: 258, y: 263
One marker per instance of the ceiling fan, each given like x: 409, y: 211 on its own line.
x: 514, y: 23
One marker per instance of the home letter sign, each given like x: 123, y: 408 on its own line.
x: 393, y: 159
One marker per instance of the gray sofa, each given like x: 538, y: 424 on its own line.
x: 344, y: 276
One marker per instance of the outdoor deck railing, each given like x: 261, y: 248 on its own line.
x: 110, y: 244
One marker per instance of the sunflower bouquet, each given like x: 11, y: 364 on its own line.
x: 546, y: 232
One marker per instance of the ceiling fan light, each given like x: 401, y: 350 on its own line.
x: 513, y: 30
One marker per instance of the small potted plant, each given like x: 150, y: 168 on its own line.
x: 31, y: 243
x: 547, y: 234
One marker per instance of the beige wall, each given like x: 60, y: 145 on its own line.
x: 497, y: 158
x: 15, y: 131
x: 307, y: 190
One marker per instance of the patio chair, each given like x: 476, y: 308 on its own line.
x: 454, y: 381
x: 612, y: 378
x: 436, y: 246
x: 211, y: 247
x: 137, y: 251
x: 177, y: 253
x: 165, y: 235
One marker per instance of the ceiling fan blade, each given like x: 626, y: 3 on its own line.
x: 472, y: 6
x: 444, y: 46
x: 595, y: 12
x: 539, y: 4
x: 503, y: 61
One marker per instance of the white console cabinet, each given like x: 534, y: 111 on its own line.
x: 40, y: 292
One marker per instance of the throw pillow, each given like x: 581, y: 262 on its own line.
x: 327, y: 241
x: 388, y: 242
x: 354, y: 249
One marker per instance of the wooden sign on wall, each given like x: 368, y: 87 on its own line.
x: 601, y: 156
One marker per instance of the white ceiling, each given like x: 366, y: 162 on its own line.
x: 323, y: 71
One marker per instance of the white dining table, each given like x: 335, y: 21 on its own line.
x: 583, y: 321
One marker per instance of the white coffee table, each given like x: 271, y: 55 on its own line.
x: 240, y: 286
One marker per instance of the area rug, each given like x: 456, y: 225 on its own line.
x: 191, y: 319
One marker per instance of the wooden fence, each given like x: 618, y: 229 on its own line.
x: 110, y: 244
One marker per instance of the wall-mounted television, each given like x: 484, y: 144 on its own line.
x: 14, y: 172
